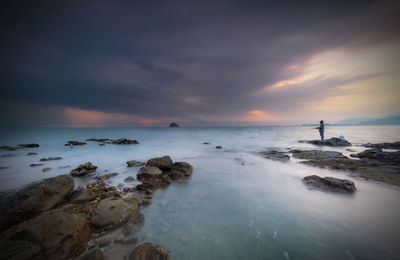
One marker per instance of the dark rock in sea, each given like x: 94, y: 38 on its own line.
x: 328, y: 142
x: 124, y: 141
x: 100, y: 140
x: 36, y: 164
x: 129, y: 179
x: 52, y: 235
x: 83, y: 169
x: 393, y: 146
x: 4, y: 167
x: 92, y: 254
x: 74, y: 143
x: 8, y: 148
x: 173, y: 124
x: 148, y: 173
x: 28, y: 145
x: 206, y: 143
x: 46, y: 169
x: 180, y: 170
x: 218, y: 147
x: 379, y: 155
x: 150, y: 251
x: 50, y: 159
x: 164, y: 163
x: 102, y: 144
x: 350, y: 150
x: 110, y: 213
x: 330, y: 183
x: 31, y: 154
x: 134, y: 163
x: 34, y: 199
x: 106, y: 176
x: 7, y: 155
x: 275, y: 155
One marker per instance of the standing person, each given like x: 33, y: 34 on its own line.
x: 321, y: 129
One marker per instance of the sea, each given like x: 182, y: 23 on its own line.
x: 236, y: 204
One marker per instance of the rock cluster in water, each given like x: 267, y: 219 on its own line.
x: 111, y: 141
x: 330, y: 183
x: 20, y: 146
x: 62, y: 220
x: 74, y: 143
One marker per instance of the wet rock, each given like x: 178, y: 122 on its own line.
x: 134, y: 163
x: 148, y: 172
x: 46, y: 169
x: 92, y: 254
x: 330, y: 183
x: 275, y: 155
x: 34, y: 199
x: 113, y: 213
x: 144, y: 186
x: 100, y: 140
x: 329, y: 142
x: 350, y: 150
x: 122, y: 239
x: 50, y: 159
x: 52, y: 235
x: 206, y: 143
x: 173, y: 124
x: 163, y: 163
x: 36, y: 164
x: 28, y: 145
x: 83, y: 169
x: 74, y: 143
x: 150, y: 251
x: 129, y: 189
x: 218, y: 147
x: 180, y: 170
x: 102, y: 144
x: 377, y: 154
x: 4, y: 167
x: 31, y: 154
x: 8, y: 155
x: 124, y: 141
x: 8, y: 148
x: 106, y: 176
x: 83, y: 195
x: 392, y: 146
x: 129, y: 179
x: 105, y: 242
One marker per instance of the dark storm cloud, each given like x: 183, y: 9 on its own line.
x: 154, y: 59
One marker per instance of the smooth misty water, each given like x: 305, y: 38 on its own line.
x: 236, y: 205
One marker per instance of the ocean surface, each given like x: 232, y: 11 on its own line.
x: 236, y: 205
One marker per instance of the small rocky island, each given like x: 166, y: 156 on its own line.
x: 173, y: 124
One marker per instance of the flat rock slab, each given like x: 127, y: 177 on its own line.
x: 50, y: 159
x: 393, y: 146
x: 330, y: 183
x: 52, y: 235
x: 275, y: 155
x: 328, y: 142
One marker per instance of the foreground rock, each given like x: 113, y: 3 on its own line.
x: 150, y: 251
x: 52, y: 235
x: 164, y: 163
x: 34, y: 199
x: 329, y: 142
x: 330, y: 183
x: 275, y: 155
x: 372, y: 164
x: 111, y: 213
x: 74, y: 143
x: 83, y: 169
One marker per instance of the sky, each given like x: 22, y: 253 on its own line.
x: 198, y: 63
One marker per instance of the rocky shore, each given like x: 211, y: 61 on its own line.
x: 373, y: 163
x: 53, y: 219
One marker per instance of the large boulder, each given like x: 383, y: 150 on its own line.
x: 111, y: 213
x: 83, y: 169
x: 329, y: 142
x: 330, y: 183
x: 34, y: 199
x: 164, y: 163
x: 148, y: 173
x: 150, y: 251
x: 52, y: 235
x: 180, y: 170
